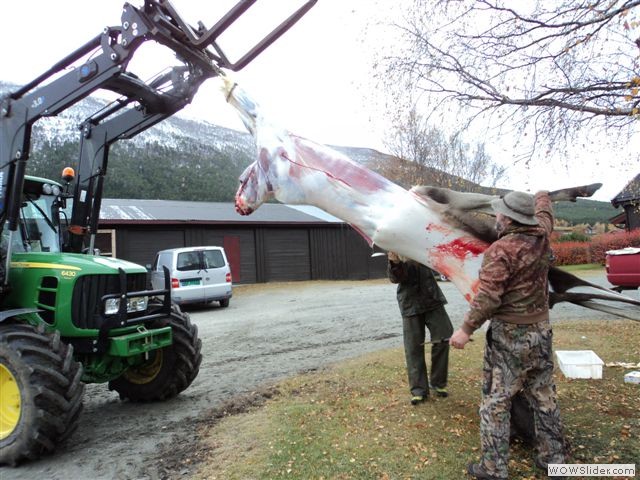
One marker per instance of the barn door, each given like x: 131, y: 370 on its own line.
x: 231, y: 245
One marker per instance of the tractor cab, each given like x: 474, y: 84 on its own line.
x: 39, y: 226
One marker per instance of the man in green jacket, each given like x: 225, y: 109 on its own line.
x: 513, y: 293
x: 421, y: 305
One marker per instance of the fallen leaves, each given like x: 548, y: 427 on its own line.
x: 362, y: 426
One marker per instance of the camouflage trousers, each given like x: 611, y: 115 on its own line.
x: 518, y: 358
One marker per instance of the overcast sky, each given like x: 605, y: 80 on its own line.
x: 316, y: 80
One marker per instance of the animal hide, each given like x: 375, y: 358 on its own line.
x: 446, y: 230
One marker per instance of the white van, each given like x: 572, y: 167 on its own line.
x: 198, y: 274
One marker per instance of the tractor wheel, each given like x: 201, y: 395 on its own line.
x: 40, y: 392
x: 169, y: 370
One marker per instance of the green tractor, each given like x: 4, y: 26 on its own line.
x: 67, y: 315
x: 77, y: 319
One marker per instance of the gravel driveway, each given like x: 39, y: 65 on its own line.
x: 268, y: 332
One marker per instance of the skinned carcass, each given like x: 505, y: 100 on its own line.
x: 446, y: 230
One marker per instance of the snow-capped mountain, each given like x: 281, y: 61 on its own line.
x: 172, y: 132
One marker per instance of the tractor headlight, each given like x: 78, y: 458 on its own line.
x: 134, y: 304
x: 137, y: 304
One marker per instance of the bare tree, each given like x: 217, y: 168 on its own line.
x: 548, y: 66
x: 437, y: 159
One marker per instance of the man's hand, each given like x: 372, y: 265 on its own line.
x: 393, y: 257
x: 459, y: 338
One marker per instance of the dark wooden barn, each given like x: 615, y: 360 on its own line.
x: 276, y: 243
x: 629, y: 200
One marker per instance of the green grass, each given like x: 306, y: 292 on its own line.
x: 354, y: 421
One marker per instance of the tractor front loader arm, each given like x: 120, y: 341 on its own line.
x: 106, y: 68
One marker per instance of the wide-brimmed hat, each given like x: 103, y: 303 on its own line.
x: 516, y: 205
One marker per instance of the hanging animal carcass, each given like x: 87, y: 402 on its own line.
x: 443, y: 229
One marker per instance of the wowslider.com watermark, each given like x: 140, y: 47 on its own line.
x: 591, y: 470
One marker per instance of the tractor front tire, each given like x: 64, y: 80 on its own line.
x: 169, y: 370
x: 40, y: 392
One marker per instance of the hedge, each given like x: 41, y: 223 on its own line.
x: 571, y: 253
x: 594, y: 251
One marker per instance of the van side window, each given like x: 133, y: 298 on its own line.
x: 188, y: 261
x: 164, y: 260
x: 213, y: 259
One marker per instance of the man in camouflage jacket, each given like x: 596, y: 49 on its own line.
x: 421, y: 305
x: 513, y: 293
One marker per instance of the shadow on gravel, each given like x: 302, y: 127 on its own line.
x: 174, y: 460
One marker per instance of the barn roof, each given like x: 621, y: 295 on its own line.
x: 629, y: 193
x: 128, y: 211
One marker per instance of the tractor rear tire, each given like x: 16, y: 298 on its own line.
x: 41, y: 392
x: 169, y: 370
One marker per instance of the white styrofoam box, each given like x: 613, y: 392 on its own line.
x: 632, y: 377
x: 580, y: 363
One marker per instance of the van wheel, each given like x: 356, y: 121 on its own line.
x: 224, y: 303
x: 169, y: 370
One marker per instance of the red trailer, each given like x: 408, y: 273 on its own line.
x: 623, y: 268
